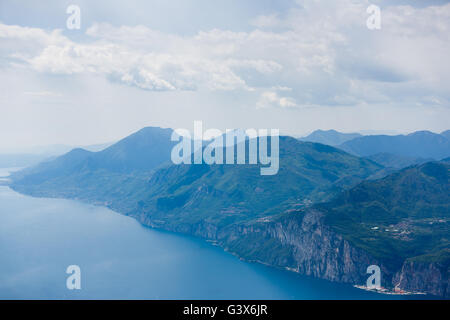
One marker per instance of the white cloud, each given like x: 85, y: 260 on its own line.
x: 42, y: 94
x: 266, y: 21
x: 272, y: 99
x: 321, y: 50
x: 123, y: 54
x: 315, y: 65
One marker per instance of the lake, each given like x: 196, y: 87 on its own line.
x: 121, y: 259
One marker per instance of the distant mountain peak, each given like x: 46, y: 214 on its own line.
x: 419, y: 144
x: 330, y: 137
x: 325, y: 131
x: 154, y: 129
x: 446, y: 134
x: 78, y: 151
x: 422, y: 133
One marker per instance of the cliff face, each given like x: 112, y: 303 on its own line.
x: 299, y: 242
x: 398, y: 218
x: 202, y: 229
x: 303, y: 244
x: 426, y: 277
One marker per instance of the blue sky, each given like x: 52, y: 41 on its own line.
x: 292, y: 65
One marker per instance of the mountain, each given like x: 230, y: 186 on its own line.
x: 317, y: 216
x: 30, y: 156
x: 117, y: 172
x: 180, y: 197
x: 141, y: 151
x: 330, y: 137
x: 394, y: 161
x: 420, y: 144
x: 183, y: 195
x: 403, y: 221
x: 411, y: 205
x: 400, y: 223
x: 446, y: 134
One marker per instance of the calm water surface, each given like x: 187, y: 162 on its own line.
x: 121, y: 259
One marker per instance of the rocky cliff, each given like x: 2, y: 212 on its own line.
x: 301, y: 242
x: 428, y: 277
x: 318, y: 216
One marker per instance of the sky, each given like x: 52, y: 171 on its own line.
x: 291, y: 65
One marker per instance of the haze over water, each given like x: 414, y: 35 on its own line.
x: 121, y: 259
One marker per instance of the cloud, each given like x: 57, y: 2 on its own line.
x: 272, y: 99
x: 42, y: 94
x: 123, y: 54
x: 313, y: 65
x: 321, y: 50
x: 266, y: 21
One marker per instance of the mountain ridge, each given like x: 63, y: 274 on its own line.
x: 419, y: 144
x: 329, y: 137
x: 309, y: 172
x: 283, y: 220
x: 339, y: 239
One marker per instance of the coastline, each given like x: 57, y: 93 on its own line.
x: 327, y: 287
x: 383, y: 290
x: 216, y: 243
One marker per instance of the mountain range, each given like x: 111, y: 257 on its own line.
x: 137, y: 170
x: 419, y: 144
x: 219, y: 195
x: 330, y: 137
x: 24, y: 157
x: 446, y: 134
x: 391, y: 151
x: 318, y: 216
x: 400, y: 223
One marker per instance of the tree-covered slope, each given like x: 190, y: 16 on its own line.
x: 395, y: 161
x: 402, y: 216
x: 116, y: 174
x: 316, y: 215
x: 400, y: 223
x: 187, y: 194
x: 224, y: 194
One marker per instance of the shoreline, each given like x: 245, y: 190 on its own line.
x: 383, y: 290
x: 225, y: 249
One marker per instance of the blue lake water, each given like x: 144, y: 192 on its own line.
x: 121, y: 259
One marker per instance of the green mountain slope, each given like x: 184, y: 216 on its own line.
x: 316, y: 215
x: 189, y: 194
x: 144, y: 150
x: 402, y: 216
x: 396, y: 161
x: 224, y: 194
x: 400, y: 223
x: 115, y: 176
